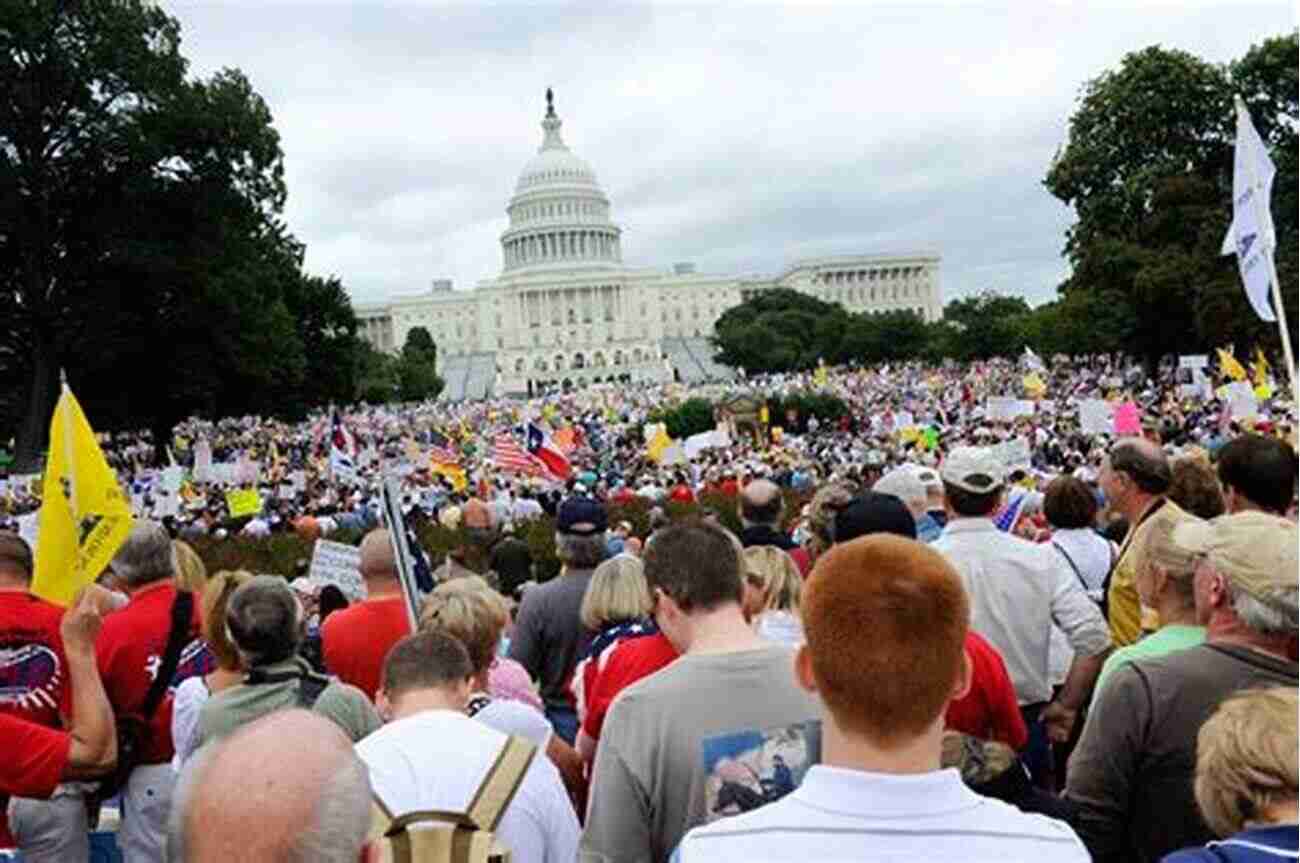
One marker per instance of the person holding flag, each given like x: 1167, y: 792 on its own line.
x: 541, y: 446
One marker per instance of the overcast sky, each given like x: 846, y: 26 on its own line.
x: 739, y: 136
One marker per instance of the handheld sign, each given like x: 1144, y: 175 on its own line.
x: 340, y: 565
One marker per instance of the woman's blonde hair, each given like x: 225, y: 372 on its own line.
x: 191, y: 574
x: 1246, y: 757
x: 470, y: 611
x: 774, y: 572
x: 216, y: 593
x: 617, y: 592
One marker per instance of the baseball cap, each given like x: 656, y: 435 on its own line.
x: 975, y: 469
x: 873, y: 513
x: 581, y: 516
x: 1254, y: 550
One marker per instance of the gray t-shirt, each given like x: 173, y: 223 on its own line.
x: 549, y: 634
x: 706, y: 737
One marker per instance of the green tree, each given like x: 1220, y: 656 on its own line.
x: 140, y: 242
x: 1148, y: 170
x: 418, y: 367
x: 690, y: 417
x: 780, y: 330
x: 986, y: 325
x: 378, y: 378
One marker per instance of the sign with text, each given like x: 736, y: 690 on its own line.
x: 340, y: 565
x: 1005, y: 408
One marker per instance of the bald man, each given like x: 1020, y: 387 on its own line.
x: 355, y: 641
x: 286, y: 787
x: 1134, y: 477
x: 761, y: 507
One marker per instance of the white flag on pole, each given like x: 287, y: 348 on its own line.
x: 1251, y: 235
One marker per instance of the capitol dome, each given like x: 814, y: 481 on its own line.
x: 559, y: 215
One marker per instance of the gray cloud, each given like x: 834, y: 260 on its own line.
x: 738, y: 136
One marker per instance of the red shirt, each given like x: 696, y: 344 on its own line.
x: 630, y: 661
x: 682, y: 494
x: 35, y: 757
x: 355, y: 641
x: 33, y: 669
x: 129, y: 650
x: 989, y: 711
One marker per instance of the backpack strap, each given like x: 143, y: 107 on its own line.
x: 502, y: 781
x: 177, y: 636
x: 310, y: 685
x: 470, y: 837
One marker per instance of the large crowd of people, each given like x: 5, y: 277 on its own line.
x: 956, y: 622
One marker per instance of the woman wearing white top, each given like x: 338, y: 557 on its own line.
x: 771, y: 598
x: 1071, y: 509
x: 194, y: 691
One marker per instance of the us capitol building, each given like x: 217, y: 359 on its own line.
x: 566, y: 309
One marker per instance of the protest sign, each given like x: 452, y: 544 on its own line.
x: 1193, y: 361
x: 203, y: 461
x: 338, y: 564
x: 1005, y: 408
x: 1014, y: 454
x: 903, y: 419
x: 172, y: 477
x: 243, y: 501
x: 1241, y: 400
x: 1094, y: 416
x: 1128, y: 421
x: 167, y: 506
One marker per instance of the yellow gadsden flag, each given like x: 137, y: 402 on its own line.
x: 658, y: 443
x: 1229, y: 366
x: 84, y: 517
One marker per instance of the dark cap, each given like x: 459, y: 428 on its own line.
x: 874, y: 513
x: 581, y: 516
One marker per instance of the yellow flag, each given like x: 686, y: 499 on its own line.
x: 1260, y: 367
x: 1034, y: 385
x: 84, y: 516
x: 660, y: 442
x: 454, y: 472
x: 1229, y: 366
x: 820, y: 376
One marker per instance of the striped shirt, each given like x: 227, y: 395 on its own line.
x: 842, y: 814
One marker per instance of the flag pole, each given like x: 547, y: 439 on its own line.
x: 1262, y: 217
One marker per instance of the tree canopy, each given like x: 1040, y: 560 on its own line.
x: 141, y: 244
x: 1148, y: 171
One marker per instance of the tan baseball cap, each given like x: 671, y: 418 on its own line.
x: 1254, y: 550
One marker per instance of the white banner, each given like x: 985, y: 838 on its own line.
x: 1193, y: 361
x: 1242, y: 401
x: 1005, y: 408
x: 1014, y: 453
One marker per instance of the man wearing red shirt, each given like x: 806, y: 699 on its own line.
x: 33, y: 678
x: 355, y: 641
x: 130, y: 653
x: 37, y: 759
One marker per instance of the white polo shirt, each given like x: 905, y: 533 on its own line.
x: 438, y: 758
x: 841, y: 815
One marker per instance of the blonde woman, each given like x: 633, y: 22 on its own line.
x: 1163, y: 577
x: 474, y: 614
x: 616, y: 607
x: 194, y: 691
x: 1247, y: 780
x: 191, y: 574
x: 771, y: 599
x: 507, y: 679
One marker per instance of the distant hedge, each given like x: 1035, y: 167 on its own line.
x: 280, y: 553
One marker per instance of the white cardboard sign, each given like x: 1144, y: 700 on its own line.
x: 338, y: 564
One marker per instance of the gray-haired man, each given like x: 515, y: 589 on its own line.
x: 265, y: 623
x: 549, y: 633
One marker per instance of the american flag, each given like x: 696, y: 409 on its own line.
x: 508, y: 455
x: 441, y: 449
x: 1007, y: 517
